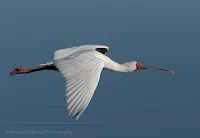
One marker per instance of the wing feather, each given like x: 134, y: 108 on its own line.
x: 79, y: 100
x: 74, y: 86
x: 78, y: 97
x: 75, y: 91
x: 76, y: 103
x: 89, y: 92
x: 81, y: 107
x: 67, y: 52
x: 82, y: 73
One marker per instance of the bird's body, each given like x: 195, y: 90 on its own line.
x: 82, y: 66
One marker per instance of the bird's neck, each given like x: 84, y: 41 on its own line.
x: 114, y: 66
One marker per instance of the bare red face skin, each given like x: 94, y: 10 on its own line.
x: 140, y: 66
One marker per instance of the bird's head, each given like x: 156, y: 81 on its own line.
x: 135, y: 66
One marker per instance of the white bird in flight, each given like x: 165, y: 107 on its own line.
x: 81, y: 66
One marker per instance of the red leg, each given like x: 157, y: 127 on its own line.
x: 19, y: 71
x: 25, y: 70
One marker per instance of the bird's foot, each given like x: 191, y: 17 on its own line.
x: 20, y: 70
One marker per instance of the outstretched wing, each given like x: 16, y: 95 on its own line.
x: 62, y: 53
x: 82, y: 73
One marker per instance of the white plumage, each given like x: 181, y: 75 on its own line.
x: 82, y: 66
